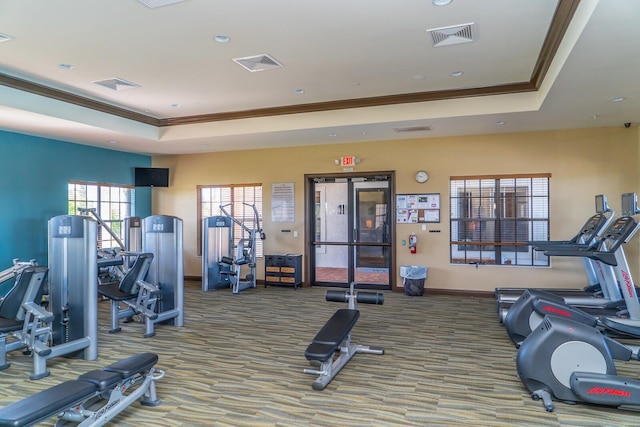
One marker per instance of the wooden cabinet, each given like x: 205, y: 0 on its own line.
x: 283, y: 270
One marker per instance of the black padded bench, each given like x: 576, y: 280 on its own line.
x: 67, y: 396
x: 333, y: 333
x: 335, y: 336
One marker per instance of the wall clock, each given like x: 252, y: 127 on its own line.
x: 422, y: 177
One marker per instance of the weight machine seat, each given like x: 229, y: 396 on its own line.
x: 12, y: 303
x: 124, y: 290
x: 10, y: 325
x: 332, y: 334
x: 60, y: 397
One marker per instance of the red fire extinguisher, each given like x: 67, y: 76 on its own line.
x: 413, y: 242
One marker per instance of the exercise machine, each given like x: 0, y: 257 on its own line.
x: 162, y: 237
x: 73, y: 293
x: 573, y: 362
x: 70, y: 327
x: 132, y: 295
x: 601, y: 282
x: 112, y: 263
x: 11, y: 273
x: 335, y: 336
x: 217, y: 243
x: 245, y: 251
x: 527, y: 313
x: 27, y: 291
x: 93, y: 399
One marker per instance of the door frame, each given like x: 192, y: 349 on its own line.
x: 309, y: 209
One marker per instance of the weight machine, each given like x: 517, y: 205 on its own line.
x: 245, y: 252
x: 217, y: 242
x: 111, y: 264
x: 12, y: 272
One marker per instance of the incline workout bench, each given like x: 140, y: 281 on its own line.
x: 336, y: 335
x: 94, y: 398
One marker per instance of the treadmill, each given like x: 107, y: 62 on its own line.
x: 587, y: 236
x: 530, y: 311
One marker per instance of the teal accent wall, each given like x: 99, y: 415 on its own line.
x: 33, y: 187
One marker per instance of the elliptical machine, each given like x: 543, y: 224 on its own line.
x: 245, y: 252
x: 573, y: 362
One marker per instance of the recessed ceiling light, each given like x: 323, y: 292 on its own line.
x: 221, y: 39
x: 333, y: 135
x: 298, y: 91
x: 456, y: 73
x: 112, y: 141
x: 176, y: 105
x: 500, y: 123
x: 152, y: 4
x: 66, y: 66
x: 441, y: 2
x: 617, y: 99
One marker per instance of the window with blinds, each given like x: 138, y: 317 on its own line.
x: 493, y: 218
x: 211, y: 197
x: 113, y: 203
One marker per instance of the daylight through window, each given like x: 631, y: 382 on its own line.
x: 493, y: 218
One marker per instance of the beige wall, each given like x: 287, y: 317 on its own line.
x: 583, y: 163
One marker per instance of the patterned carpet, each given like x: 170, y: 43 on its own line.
x: 239, y: 361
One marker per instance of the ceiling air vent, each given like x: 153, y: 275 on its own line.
x: 454, y: 34
x: 116, y: 83
x: 413, y: 129
x: 258, y: 63
x: 158, y: 3
x: 5, y: 38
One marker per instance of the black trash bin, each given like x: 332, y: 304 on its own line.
x: 413, y: 277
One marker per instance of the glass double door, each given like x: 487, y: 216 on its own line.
x: 351, y: 231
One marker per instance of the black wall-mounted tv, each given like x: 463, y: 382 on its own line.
x: 151, y: 177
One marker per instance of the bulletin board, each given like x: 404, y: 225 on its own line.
x: 417, y: 208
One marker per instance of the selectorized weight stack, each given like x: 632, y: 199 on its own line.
x: 217, y: 243
x: 73, y: 295
x: 162, y: 236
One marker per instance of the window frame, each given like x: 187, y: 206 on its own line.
x: 236, y: 204
x: 492, y: 217
x: 103, y: 189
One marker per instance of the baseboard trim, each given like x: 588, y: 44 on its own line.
x: 427, y: 291
x: 460, y: 293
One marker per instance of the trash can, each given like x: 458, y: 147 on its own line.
x: 413, y: 277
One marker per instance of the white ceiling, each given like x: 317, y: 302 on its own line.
x: 366, y: 67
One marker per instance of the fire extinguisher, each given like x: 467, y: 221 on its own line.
x: 413, y: 242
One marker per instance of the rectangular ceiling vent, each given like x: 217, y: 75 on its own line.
x: 258, y: 62
x: 152, y: 4
x: 116, y: 83
x: 454, y: 34
x: 413, y: 129
x: 5, y: 38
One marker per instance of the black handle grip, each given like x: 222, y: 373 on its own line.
x: 339, y: 296
x: 361, y: 297
x: 370, y: 298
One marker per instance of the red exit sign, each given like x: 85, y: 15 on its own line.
x: 348, y: 161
